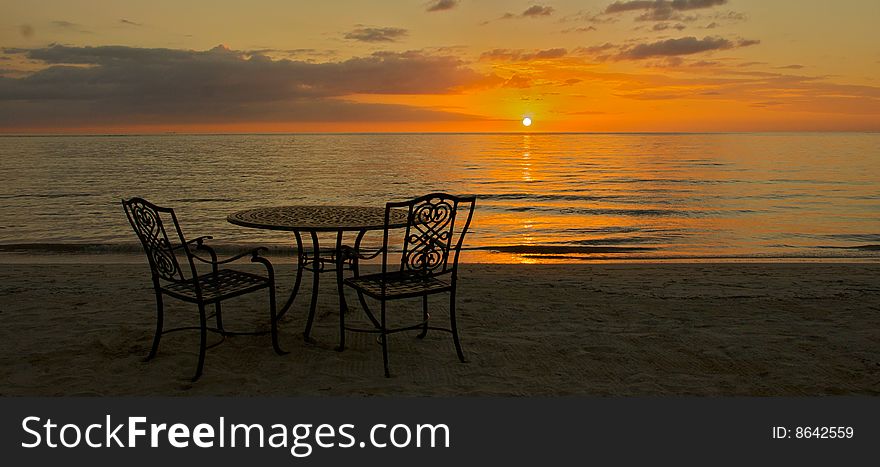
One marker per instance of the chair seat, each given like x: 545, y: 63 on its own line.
x: 398, y: 285
x: 226, y: 283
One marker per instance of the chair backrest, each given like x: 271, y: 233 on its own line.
x: 434, y: 230
x: 146, y: 221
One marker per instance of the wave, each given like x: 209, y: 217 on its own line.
x: 562, y: 249
x: 203, y: 200
x: 534, y: 252
x: 604, y: 211
x: 126, y: 248
x: 47, y: 195
x: 858, y: 247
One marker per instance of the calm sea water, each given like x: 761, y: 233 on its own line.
x: 540, y: 196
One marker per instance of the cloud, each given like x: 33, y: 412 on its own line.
x: 589, y: 17
x: 592, y: 50
x: 534, y: 11
x: 26, y: 30
x: 518, y: 81
x: 127, y: 85
x: 441, y: 5
x: 581, y: 29
x: 665, y: 26
x: 366, y: 34
x: 790, y: 67
x: 70, y: 26
x: 682, y: 46
x: 661, y: 10
x: 731, y: 16
x: 538, y: 10
x: 129, y: 22
x: 520, y: 55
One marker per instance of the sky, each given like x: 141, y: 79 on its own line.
x: 94, y: 66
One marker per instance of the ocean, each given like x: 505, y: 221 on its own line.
x: 541, y: 197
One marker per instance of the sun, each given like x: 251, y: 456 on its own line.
x: 526, y: 121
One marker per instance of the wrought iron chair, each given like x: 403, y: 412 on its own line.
x: 202, y: 289
x: 425, y: 266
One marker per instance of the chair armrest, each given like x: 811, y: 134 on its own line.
x: 352, y: 253
x: 254, y: 252
x: 270, y: 271
x: 198, y: 241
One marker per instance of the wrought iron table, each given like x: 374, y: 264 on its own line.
x: 312, y: 220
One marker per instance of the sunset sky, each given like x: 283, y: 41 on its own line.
x: 93, y: 66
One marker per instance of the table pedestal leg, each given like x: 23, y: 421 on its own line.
x: 316, y: 274
x: 355, y: 267
x: 343, y: 307
x: 300, y: 263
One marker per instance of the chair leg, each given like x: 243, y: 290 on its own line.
x: 384, y: 342
x: 160, y: 318
x: 218, y: 315
x: 203, y: 341
x: 455, y: 326
x: 343, y: 309
x: 273, y: 315
x: 424, y: 317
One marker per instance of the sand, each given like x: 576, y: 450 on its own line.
x: 83, y: 328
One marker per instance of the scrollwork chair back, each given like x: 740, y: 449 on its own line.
x: 434, y: 231
x: 146, y: 221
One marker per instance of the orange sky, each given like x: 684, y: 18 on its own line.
x: 348, y: 66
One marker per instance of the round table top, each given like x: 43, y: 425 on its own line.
x: 318, y: 218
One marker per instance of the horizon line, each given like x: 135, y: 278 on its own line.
x: 354, y: 133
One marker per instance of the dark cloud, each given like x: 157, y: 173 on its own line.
x: 538, y: 10
x: 127, y: 85
x: 682, y: 46
x: 582, y: 29
x: 790, y: 67
x: 661, y: 10
x: 442, y: 5
x: 520, y: 55
x: 313, y: 54
x: 596, y: 49
x: 366, y: 34
x: 665, y: 26
x: 129, y: 22
x: 731, y: 16
x: 534, y: 11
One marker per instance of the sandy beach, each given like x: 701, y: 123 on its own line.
x: 746, y: 329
